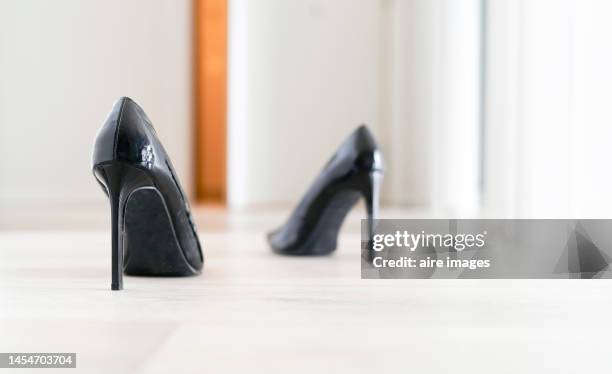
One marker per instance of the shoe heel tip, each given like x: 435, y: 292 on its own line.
x: 116, y: 287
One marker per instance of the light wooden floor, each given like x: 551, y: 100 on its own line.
x: 252, y: 311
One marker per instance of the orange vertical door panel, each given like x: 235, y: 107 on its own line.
x: 210, y: 98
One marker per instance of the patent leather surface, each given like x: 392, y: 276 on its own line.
x: 128, y: 137
x: 350, y: 170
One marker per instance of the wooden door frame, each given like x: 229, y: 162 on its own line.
x: 210, y: 99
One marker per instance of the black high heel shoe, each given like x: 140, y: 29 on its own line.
x: 152, y: 230
x: 355, y: 170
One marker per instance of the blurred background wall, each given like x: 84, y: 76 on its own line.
x: 493, y: 104
x: 303, y: 74
x: 62, y: 66
x: 548, y: 108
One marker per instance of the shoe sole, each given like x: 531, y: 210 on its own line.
x: 149, y: 239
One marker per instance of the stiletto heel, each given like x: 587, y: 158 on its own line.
x: 118, y: 180
x: 354, y: 171
x: 371, y: 193
x: 111, y: 178
x: 371, y: 196
x: 152, y: 230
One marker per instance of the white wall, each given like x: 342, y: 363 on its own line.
x: 62, y: 65
x: 304, y: 73
x: 592, y: 108
x: 434, y: 131
x: 549, y: 113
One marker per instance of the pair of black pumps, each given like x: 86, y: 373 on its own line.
x: 153, y: 233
